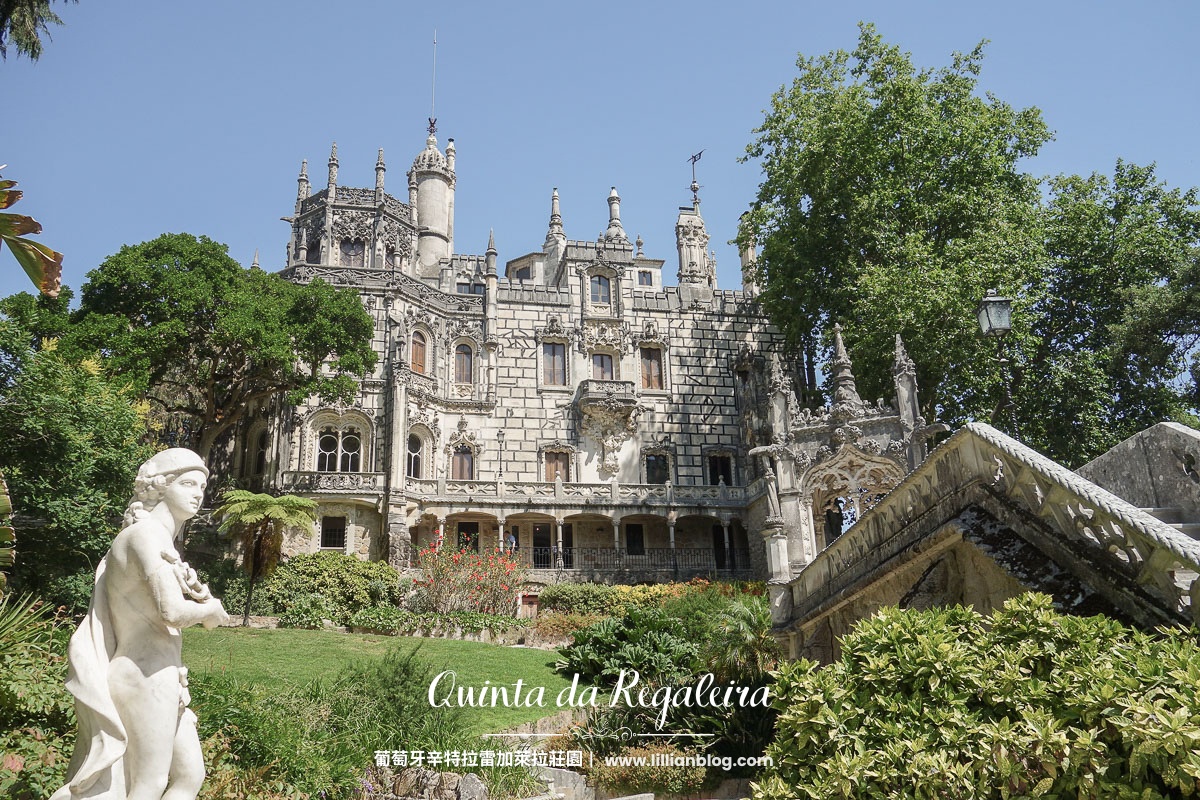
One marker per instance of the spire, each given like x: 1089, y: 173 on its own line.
x: 845, y: 393
x: 490, y: 254
x: 255, y: 265
x: 380, y: 169
x: 333, y: 167
x: 302, y: 188
x: 615, y: 232
x: 903, y: 365
x: 556, y: 228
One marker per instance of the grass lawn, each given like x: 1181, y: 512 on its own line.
x: 298, y: 657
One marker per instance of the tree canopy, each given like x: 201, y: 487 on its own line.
x: 893, y: 197
x: 23, y: 23
x: 205, y: 339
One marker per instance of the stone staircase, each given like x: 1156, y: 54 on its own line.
x: 1176, y: 518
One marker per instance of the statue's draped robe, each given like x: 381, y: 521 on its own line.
x: 97, y: 770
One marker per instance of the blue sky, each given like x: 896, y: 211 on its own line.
x: 144, y: 116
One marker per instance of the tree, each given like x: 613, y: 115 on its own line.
x: 41, y: 264
x: 206, y: 339
x: 1114, y: 312
x: 262, y: 519
x: 1026, y: 703
x: 23, y: 23
x: 70, y: 445
x: 891, y: 197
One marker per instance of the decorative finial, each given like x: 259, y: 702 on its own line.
x: 903, y: 363
x: 638, y: 243
x: 433, y: 89
x: 333, y: 167
x: 845, y: 393
x: 254, y: 264
x: 379, y: 161
x: 304, y: 169
x: 380, y: 169
x: 491, y: 248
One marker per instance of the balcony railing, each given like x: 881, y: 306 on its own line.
x: 349, y: 482
x: 692, y: 560
x: 611, y: 492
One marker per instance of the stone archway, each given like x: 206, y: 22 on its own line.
x: 856, y: 477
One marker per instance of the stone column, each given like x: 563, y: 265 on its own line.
x: 728, y: 552
x: 671, y: 517
x: 440, y: 533
x: 558, y: 559
x: 500, y: 533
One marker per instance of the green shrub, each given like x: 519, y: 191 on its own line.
x: 557, y: 623
x: 319, y: 739
x: 646, y: 639
x: 73, y: 592
x: 344, y: 581
x: 578, y: 598
x: 37, y: 714
x: 619, y: 779
x: 392, y: 620
x: 948, y: 703
x: 308, y: 611
x: 464, y: 580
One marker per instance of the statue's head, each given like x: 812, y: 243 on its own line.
x: 156, y: 474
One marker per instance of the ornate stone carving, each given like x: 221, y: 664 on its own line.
x: 604, y: 336
x: 611, y: 427
x: 462, y: 436
x: 353, y: 225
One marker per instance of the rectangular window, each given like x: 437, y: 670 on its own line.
x: 645, y: 278
x: 462, y: 467
x: 652, y: 371
x: 558, y: 464
x: 658, y: 468
x: 523, y: 274
x: 635, y: 539
x: 462, y: 288
x: 602, y: 367
x: 554, y: 364
x: 720, y: 467
x: 333, y: 533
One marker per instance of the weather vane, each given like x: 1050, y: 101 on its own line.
x: 433, y: 90
x: 695, y: 187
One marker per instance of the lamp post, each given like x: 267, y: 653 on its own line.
x: 500, y: 439
x: 995, y: 321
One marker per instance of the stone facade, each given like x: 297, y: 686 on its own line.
x: 568, y: 401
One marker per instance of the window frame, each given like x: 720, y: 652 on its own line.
x: 548, y: 370
x: 666, y: 467
x: 600, y: 290
x: 461, y: 369
x: 556, y: 457
x: 460, y: 455
x: 612, y: 373
x: 327, y: 529
x: 658, y: 359
x: 418, y: 342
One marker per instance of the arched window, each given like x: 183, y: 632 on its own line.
x: 339, y: 450
x: 352, y: 252
x: 417, y: 356
x: 462, y: 364
x: 414, y: 456
x: 260, y: 454
x: 600, y: 290
x: 462, y: 468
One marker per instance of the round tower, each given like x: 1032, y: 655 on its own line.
x: 433, y: 177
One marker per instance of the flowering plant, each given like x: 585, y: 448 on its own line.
x: 464, y: 580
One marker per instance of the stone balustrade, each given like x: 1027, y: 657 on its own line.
x: 1079, y: 522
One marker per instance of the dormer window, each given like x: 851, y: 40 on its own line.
x: 601, y: 290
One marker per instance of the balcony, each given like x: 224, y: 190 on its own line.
x: 581, y: 494
x: 332, y: 482
x: 606, y: 395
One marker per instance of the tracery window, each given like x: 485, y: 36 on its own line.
x: 417, y: 355
x: 260, y: 453
x: 414, y: 456
x: 462, y: 364
x: 352, y: 252
x: 339, y: 450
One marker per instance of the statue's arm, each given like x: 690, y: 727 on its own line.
x: 174, y: 607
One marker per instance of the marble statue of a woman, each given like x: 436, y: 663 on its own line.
x: 137, y: 737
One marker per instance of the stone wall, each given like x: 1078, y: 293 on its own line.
x: 1157, y: 468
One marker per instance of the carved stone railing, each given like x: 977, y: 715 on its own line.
x: 980, y: 462
x: 562, y: 492
x: 349, y: 482
x: 693, y: 560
